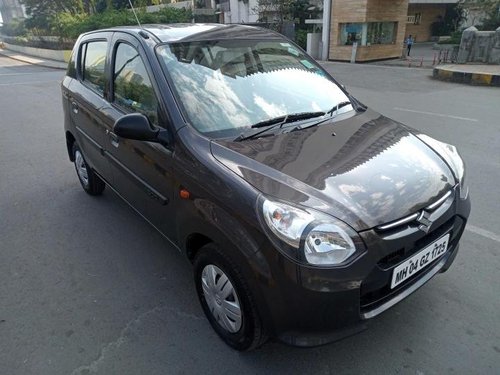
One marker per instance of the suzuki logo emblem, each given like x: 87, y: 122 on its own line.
x: 425, y: 223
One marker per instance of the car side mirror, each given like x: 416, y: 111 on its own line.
x: 136, y: 126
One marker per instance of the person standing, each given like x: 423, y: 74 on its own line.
x: 409, y: 43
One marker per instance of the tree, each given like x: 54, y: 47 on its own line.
x: 40, y: 12
x: 450, y: 23
x: 490, y: 10
x: 302, y: 10
x: 43, y: 7
x: 275, y: 11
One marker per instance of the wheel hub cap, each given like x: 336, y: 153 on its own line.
x: 81, y: 168
x: 221, y: 298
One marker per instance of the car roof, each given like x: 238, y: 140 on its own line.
x: 192, y: 32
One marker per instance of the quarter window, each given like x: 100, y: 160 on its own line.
x: 93, y: 64
x: 132, y: 87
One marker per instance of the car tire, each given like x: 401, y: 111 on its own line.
x: 89, y: 180
x: 228, y: 289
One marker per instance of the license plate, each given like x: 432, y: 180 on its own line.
x: 419, y: 261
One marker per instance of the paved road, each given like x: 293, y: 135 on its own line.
x: 86, y: 286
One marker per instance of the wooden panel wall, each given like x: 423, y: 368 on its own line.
x: 344, y: 11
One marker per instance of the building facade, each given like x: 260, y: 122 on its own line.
x: 377, y: 27
x: 238, y: 11
x: 423, y: 14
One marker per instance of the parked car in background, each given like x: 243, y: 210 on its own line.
x: 303, y: 212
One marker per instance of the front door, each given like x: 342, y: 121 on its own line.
x: 141, y: 170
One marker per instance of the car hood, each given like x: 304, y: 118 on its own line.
x: 366, y: 170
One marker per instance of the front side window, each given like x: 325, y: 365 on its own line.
x: 93, y: 64
x: 225, y: 86
x: 133, y: 90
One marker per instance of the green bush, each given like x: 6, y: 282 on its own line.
x: 301, y: 38
x: 490, y: 23
x: 70, y: 26
x: 455, y: 38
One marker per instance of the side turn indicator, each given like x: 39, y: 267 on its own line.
x: 184, y: 194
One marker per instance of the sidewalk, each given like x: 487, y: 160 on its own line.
x: 34, y: 60
x: 423, y: 55
x: 473, y: 74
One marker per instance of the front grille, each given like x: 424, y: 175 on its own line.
x: 375, y: 289
x: 400, y: 255
x: 414, y: 218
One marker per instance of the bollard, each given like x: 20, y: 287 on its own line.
x: 421, y: 61
x: 353, y: 52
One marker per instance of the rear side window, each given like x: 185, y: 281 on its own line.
x: 93, y: 63
x: 133, y: 90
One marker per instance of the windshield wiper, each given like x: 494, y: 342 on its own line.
x: 336, y: 108
x: 332, y: 112
x: 358, y: 106
x: 278, y: 122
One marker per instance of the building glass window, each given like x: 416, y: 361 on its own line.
x: 350, y: 33
x: 381, y: 33
x: 366, y: 34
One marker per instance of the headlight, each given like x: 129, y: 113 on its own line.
x: 286, y: 222
x: 309, y: 236
x: 328, y: 244
x: 450, y: 154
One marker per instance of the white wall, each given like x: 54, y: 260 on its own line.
x: 58, y: 55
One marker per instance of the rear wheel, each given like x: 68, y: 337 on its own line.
x: 226, y: 299
x: 89, y: 180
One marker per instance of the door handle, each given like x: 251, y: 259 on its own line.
x: 114, y: 139
x: 74, y: 107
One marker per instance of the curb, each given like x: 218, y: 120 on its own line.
x: 33, y: 60
x: 483, y: 79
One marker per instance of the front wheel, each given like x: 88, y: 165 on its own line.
x: 226, y: 299
x: 89, y: 180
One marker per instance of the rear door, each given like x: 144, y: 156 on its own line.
x: 141, y: 170
x: 87, y: 100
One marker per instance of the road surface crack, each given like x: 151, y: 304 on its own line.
x: 122, y: 338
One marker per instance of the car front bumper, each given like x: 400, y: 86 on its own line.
x: 310, y: 306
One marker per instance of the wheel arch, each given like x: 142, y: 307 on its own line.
x: 203, y: 221
x: 194, y: 242
x: 70, y: 140
x: 254, y: 266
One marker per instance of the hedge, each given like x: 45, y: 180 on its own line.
x: 70, y: 26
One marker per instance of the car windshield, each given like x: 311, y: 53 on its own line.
x: 226, y: 86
